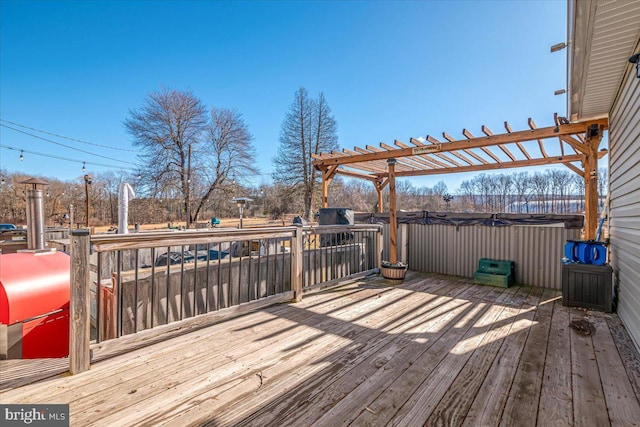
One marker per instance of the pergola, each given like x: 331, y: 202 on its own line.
x: 579, y: 151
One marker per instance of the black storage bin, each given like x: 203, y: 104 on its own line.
x: 587, y: 286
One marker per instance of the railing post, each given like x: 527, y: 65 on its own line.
x: 297, y: 249
x: 79, y: 303
x: 380, y: 248
x: 403, y: 235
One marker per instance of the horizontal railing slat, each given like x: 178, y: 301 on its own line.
x: 179, y: 238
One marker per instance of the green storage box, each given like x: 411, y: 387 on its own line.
x: 500, y: 280
x: 496, y: 266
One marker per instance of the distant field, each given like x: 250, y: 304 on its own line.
x: 224, y: 222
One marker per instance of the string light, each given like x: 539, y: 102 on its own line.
x: 66, y: 137
x: 84, y: 169
x: 21, y: 156
x: 66, y: 159
x: 67, y: 146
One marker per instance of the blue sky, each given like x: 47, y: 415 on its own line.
x: 389, y: 70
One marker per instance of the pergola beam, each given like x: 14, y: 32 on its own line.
x: 352, y: 174
x: 575, y: 169
x: 441, y: 155
x: 370, y: 166
x: 507, y: 127
x: 382, y: 166
x: 492, y: 166
x: 469, y: 152
x: 488, y: 132
x: 421, y: 159
x: 577, y: 145
x: 377, y: 150
x: 413, y: 161
x: 526, y: 135
x: 434, y: 141
x: 469, y: 135
x: 533, y: 126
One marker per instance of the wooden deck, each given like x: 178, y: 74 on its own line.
x: 435, y: 350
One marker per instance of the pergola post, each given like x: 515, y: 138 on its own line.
x: 379, y: 185
x: 325, y: 192
x: 594, y: 136
x: 327, y: 177
x: 393, y: 218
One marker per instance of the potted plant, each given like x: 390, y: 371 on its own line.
x: 394, y: 270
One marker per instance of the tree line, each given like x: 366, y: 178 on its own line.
x: 271, y: 201
x: 548, y: 191
x: 194, y: 158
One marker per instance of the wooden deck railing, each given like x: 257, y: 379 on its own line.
x: 122, y: 284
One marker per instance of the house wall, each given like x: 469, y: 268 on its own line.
x: 624, y: 191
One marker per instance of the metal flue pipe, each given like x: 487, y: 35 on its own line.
x: 35, y: 214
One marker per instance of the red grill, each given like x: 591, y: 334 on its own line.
x: 34, y: 305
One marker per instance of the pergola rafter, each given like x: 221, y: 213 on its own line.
x: 382, y: 165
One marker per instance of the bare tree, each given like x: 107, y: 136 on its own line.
x: 522, y: 185
x: 353, y: 193
x: 505, y: 187
x: 578, y: 183
x: 467, y: 188
x: 540, y: 183
x: 483, y: 187
x: 603, y: 184
x: 308, y: 128
x: 438, y: 191
x: 227, y: 154
x: 560, y: 184
x: 187, y: 153
x: 167, y: 128
x: 108, y: 182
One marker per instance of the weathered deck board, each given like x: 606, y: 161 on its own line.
x: 589, y: 407
x: 351, y: 392
x: 437, y: 350
x: 627, y: 352
x: 489, y: 402
x: 247, y: 372
x: 617, y: 388
x: 454, y: 405
x: 368, y: 345
x: 522, y: 405
x: 111, y: 369
x: 556, y: 406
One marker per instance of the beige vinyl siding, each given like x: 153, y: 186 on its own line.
x: 624, y: 190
